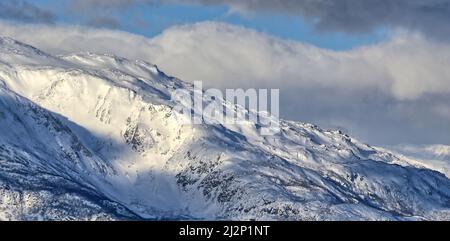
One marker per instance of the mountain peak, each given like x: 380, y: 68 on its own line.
x: 17, y: 52
x: 106, y: 60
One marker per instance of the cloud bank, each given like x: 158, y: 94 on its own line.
x: 389, y: 93
x: 430, y: 17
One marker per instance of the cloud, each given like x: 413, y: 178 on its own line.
x: 83, y: 5
x: 431, y: 17
x: 20, y: 10
x: 104, y: 22
x: 60, y: 39
x: 406, y: 67
x: 107, y: 13
x: 354, y: 16
x: 382, y: 93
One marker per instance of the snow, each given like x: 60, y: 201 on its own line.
x: 101, y: 130
x: 434, y: 157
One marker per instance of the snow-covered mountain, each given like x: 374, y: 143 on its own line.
x: 91, y: 137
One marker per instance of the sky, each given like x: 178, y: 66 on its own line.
x: 152, y: 18
x: 375, y: 69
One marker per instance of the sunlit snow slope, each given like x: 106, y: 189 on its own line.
x: 92, y: 137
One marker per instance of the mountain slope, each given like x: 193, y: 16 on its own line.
x: 107, y: 126
x: 45, y: 172
x: 436, y: 157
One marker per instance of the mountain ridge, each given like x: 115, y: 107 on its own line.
x: 127, y: 147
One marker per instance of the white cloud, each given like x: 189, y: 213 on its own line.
x: 390, y: 81
x: 407, y: 66
x: 59, y: 39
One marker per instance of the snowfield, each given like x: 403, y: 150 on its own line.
x: 95, y: 137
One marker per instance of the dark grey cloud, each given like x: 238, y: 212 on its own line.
x: 370, y: 115
x: 104, y: 22
x: 83, y: 5
x: 431, y: 17
x: 23, y: 11
x: 106, y: 13
x: 356, y: 16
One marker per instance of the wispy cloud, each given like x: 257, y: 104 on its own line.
x: 431, y: 17
x: 23, y: 11
x: 83, y: 5
x: 104, y: 22
x: 105, y: 13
